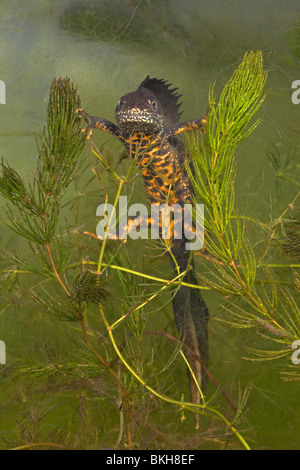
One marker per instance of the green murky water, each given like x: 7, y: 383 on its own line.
x: 107, y: 48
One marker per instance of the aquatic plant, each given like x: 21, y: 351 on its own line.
x: 110, y: 301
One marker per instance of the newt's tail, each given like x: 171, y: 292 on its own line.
x: 191, y: 318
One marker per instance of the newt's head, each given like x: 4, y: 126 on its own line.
x: 150, y: 109
x: 140, y: 111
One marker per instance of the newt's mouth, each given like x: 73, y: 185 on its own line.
x: 136, y: 116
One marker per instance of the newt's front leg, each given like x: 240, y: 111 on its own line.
x: 176, y: 129
x: 98, y: 123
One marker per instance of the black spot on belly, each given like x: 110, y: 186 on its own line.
x: 159, y: 181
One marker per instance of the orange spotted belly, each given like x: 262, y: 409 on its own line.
x: 159, y: 168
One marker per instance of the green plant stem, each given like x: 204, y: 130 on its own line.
x: 186, y: 405
x: 138, y: 307
x: 145, y: 276
x: 280, y: 265
x: 81, y: 322
x: 121, y: 183
x: 40, y: 444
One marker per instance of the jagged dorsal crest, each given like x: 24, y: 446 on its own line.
x: 167, y: 97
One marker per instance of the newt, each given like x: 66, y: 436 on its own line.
x: 148, y: 123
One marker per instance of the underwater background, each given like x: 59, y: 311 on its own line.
x: 107, y: 48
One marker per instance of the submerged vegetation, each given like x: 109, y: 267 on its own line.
x: 119, y: 368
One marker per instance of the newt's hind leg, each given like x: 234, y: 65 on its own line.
x: 133, y: 228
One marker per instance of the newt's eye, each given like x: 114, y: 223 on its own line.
x: 120, y: 104
x: 154, y: 104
